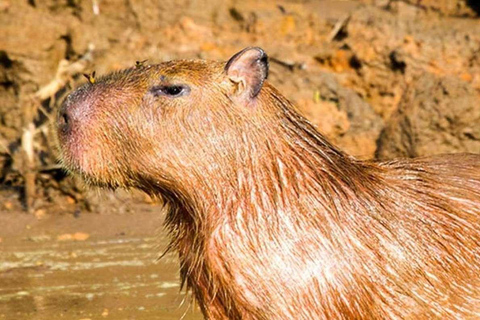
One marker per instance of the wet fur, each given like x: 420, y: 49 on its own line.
x: 271, y: 221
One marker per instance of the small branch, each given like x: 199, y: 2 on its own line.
x: 416, y: 3
x: 289, y: 65
x: 4, y: 145
x: 65, y: 72
x: 52, y: 167
x: 95, y: 7
x: 339, y: 26
x: 28, y: 152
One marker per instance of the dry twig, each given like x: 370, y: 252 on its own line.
x: 289, y: 65
x: 64, y: 74
x: 339, y: 26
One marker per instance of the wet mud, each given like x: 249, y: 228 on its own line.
x: 62, y: 267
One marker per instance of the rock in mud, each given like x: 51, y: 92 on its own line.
x: 436, y: 115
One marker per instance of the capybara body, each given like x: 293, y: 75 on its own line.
x: 271, y: 221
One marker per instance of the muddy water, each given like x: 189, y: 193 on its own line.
x: 114, y: 274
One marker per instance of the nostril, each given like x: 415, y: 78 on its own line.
x: 63, y: 120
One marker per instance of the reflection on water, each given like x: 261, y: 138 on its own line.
x: 116, y: 278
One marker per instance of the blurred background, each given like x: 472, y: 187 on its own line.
x: 380, y: 78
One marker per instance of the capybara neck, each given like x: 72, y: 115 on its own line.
x: 263, y: 196
x: 263, y: 164
x: 270, y: 221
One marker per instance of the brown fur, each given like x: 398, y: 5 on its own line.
x: 271, y: 221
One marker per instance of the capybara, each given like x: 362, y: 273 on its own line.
x: 270, y: 220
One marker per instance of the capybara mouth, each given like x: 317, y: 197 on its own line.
x: 71, y: 120
x: 80, y: 130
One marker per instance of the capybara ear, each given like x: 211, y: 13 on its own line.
x: 248, y: 69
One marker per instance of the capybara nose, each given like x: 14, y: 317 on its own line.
x: 73, y: 112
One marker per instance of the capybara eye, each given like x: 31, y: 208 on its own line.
x: 173, y: 91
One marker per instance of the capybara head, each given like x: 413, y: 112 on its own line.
x: 156, y: 124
